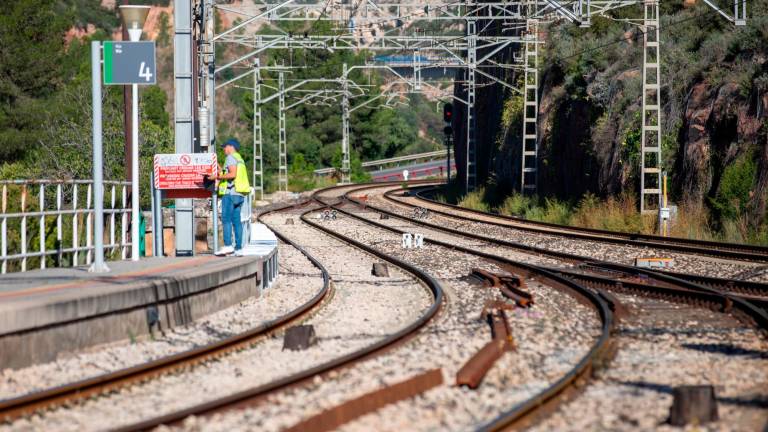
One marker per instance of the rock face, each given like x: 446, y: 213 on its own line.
x: 589, y: 127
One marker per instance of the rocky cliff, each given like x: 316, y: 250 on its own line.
x: 714, y: 95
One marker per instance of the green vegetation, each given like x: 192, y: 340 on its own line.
x: 45, y: 98
x: 620, y: 213
x: 596, y: 70
x: 45, y: 105
x: 314, y: 130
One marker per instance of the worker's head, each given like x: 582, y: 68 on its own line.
x: 230, y: 146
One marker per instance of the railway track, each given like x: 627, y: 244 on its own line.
x: 754, y: 291
x: 567, y: 385
x: 256, y: 395
x: 75, y: 392
x: 656, y: 295
x: 701, y: 247
x: 588, y: 282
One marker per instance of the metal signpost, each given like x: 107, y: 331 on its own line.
x: 131, y: 63
x: 98, y: 165
x: 123, y: 63
x: 179, y: 176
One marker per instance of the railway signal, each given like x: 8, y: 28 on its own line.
x: 448, y: 132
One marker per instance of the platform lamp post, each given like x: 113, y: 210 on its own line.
x: 133, y: 19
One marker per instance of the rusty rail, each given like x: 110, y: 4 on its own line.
x: 676, y: 289
x: 598, y: 354
x: 690, y: 282
x: 79, y: 391
x: 701, y: 247
x: 337, y: 416
x: 255, y: 395
x: 475, y: 369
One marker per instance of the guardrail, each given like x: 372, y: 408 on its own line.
x: 394, y: 160
x: 57, y: 215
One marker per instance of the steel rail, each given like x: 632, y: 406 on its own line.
x: 735, y: 286
x: 701, y: 247
x: 254, y: 395
x: 15, y: 408
x: 669, y: 288
x: 753, y: 311
x: 743, y: 290
x: 599, y: 353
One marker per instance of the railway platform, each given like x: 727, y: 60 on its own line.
x: 46, y: 313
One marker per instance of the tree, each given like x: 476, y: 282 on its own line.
x: 31, y: 49
x: 163, y: 35
x: 154, y: 100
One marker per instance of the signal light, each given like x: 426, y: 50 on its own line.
x: 448, y: 112
x: 448, y: 131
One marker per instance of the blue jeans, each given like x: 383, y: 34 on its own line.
x: 230, y: 217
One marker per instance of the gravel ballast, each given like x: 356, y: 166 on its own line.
x: 551, y: 338
x: 299, y: 281
x: 664, y: 345
x: 362, y: 310
x: 624, y: 254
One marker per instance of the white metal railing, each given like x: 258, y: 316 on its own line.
x: 58, y: 217
x: 395, y: 160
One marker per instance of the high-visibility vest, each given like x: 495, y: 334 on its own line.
x: 241, y: 178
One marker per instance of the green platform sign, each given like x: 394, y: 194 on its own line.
x: 129, y: 63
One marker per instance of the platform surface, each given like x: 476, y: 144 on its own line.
x: 49, y: 296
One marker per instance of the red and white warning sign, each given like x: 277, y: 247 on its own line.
x: 183, y: 170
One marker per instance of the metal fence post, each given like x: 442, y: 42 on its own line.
x: 98, y: 178
x: 42, y: 226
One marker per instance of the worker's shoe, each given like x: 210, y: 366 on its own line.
x: 224, y: 251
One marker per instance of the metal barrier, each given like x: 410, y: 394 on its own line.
x: 36, y: 211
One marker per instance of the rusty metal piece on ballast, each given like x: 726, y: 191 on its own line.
x: 490, y: 305
x: 509, y: 285
x: 475, y: 369
x: 337, y: 416
x: 489, y: 278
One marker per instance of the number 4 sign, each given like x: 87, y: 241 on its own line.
x: 144, y: 72
x: 129, y: 63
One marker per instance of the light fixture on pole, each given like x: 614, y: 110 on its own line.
x: 133, y: 19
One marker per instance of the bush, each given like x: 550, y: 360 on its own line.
x: 516, y: 205
x: 557, y: 212
x: 734, y: 194
x: 474, y: 201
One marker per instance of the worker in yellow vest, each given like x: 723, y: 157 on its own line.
x: 233, y: 187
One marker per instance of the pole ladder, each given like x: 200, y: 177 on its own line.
x: 283, y: 150
x: 650, y: 141
x: 258, y: 150
x: 530, y: 153
x: 471, y: 161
